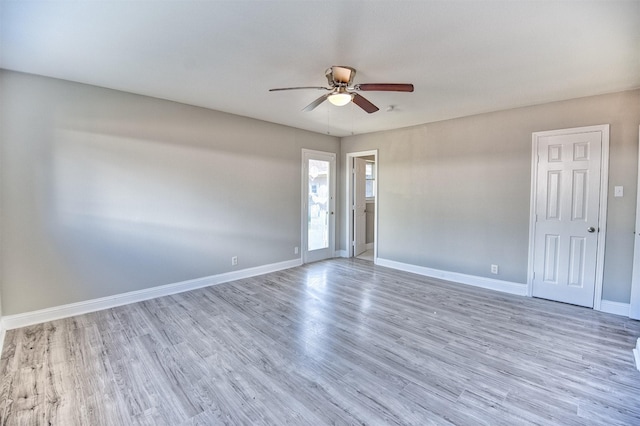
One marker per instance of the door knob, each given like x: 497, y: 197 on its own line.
x: 591, y: 229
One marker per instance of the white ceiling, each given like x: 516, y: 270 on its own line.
x: 464, y: 57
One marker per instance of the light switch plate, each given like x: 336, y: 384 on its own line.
x: 618, y: 191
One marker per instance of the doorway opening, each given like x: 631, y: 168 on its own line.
x: 362, y: 204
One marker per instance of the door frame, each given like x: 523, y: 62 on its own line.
x: 360, y: 216
x: 634, y: 301
x: 602, y: 214
x: 332, y: 157
x: 349, y: 201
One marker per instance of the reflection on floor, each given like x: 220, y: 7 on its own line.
x: 340, y: 342
x: 367, y: 255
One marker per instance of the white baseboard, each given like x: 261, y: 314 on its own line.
x: 3, y: 332
x: 636, y: 354
x: 10, y: 322
x: 488, y: 283
x: 616, y: 308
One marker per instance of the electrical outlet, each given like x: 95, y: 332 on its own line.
x: 295, y: 250
x: 234, y: 260
x: 494, y: 269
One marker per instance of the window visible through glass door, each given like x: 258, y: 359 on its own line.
x: 318, y: 211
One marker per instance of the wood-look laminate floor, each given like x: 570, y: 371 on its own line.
x: 335, y: 342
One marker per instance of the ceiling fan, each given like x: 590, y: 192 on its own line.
x: 342, y: 90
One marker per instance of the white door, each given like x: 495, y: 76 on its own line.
x: 318, y: 205
x: 634, y: 306
x: 359, y: 206
x: 567, y: 206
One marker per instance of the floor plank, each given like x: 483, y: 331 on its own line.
x: 334, y: 342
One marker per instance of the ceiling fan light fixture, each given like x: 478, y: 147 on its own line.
x: 342, y: 90
x: 340, y: 99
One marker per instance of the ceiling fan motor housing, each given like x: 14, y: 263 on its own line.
x: 340, y: 75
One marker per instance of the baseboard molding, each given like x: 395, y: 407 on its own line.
x: 482, y: 282
x: 10, y: 322
x: 616, y: 308
x: 636, y: 354
x: 3, y: 332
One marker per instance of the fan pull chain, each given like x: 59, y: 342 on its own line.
x: 351, y: 113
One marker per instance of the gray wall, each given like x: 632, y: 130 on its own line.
x: 105, y: 192
x: 454, y: 195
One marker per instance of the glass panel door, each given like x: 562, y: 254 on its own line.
x: 318, y: 212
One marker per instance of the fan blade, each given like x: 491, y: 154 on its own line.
x: 315, y: 103
x: 384, y: 87
x: 297, y: 88
x: 363, y: 103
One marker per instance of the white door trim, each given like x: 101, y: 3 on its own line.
x: 349, y: 205
x: 305, y: 198
x: 602, y: 216
x: 360, y: 205
x: 634, y: 304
